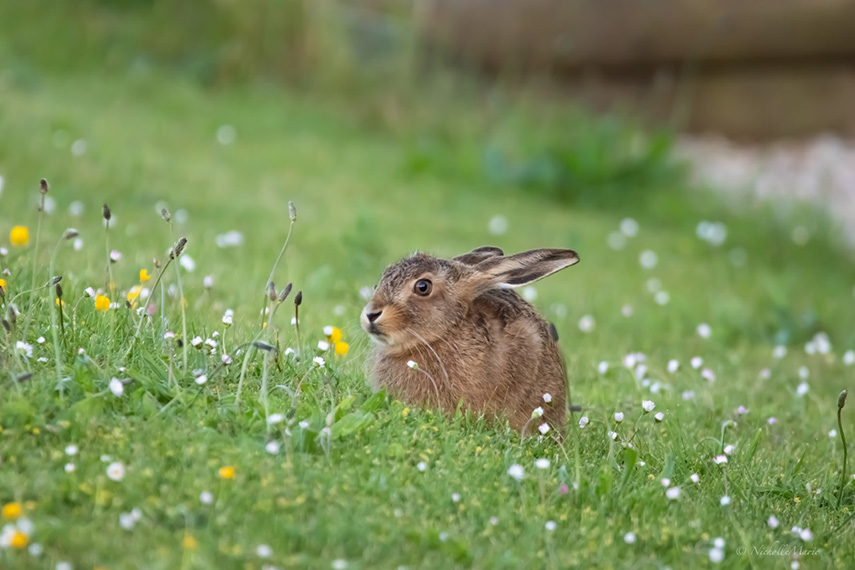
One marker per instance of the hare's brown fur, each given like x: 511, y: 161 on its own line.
x: 476, y: 344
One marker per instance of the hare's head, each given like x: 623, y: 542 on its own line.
x: 424, y: 298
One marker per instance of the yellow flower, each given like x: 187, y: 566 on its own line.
x: 227, y: 472
x: 134, y: 293
x: 102, y: 303
x: 190, y: 543
x: 144, y: 276
x: 3, y: 283
x: 20, y: 235
x: 60, y: 302
x: 12, y: 511
x: 405, y: 412
x: 333, y: 334
x: 19, y: 540
x: 341, y: 348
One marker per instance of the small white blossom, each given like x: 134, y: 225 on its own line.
x: 673, y: 493
x: 665, y: 481
x: 718, y: 542
x: 583, y: 421
x: 273, y: 419
x: 543, y: 428
x: 228, y: 317
x: 688, y: 395
x: 421, y: 466
x: 201, y: 379
x: 849, y: 357
x: 24, y: 349
x: 611, y: 434
x: 70, y: 467
x: 226, y: 359
x: 516, y: 471
x: 412, y: 365
x: 319, y: 362
x: 695, y: 478
x: 603, y: 367
x: 806, y: 535
x: 187, y: 262
x: 206, y: 497
x: 547, y: 398
x: 542, y: 463
x: 729, y: 449
x: 629, y: 538
x: 196, y: 341
x: 708, y: 375
x: 116, y: 387
x: 659, y: 416
x: 720, y: 459
x: 168, y: 335
x: 724, y: 501
x: 832, y: 433
x: 629, y: 227
x: 802, y: 389
x: 272, y: 447
x: 586, y: 324
x: 455, y: 497
x: 115, y: 256
x: 626, y: 311
x: 529, y: 293
x: 804, y: 372
x: 537, y: 412
x: 550, y: 525
x: 648, y: 259
x: 618, y: 417
x: 673, y: 366
x: 71, y: 449
x: 323, y: 345
x: 662, y: 298
x: 263, y: 551
x: 647, y: 405
x: 696, y: 362
x: 116, y: 471
x: 772, y: 521
x: 704, y: 330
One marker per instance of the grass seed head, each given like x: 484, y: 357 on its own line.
x: 164, y: 213
x: 178, y: 248
x: 285, y: 292
x: 271, y: 290
x: 292, y: 211
x: 71, y: 233
x: 105, y: 211
x: 43, y: 186
x: 298, y: 298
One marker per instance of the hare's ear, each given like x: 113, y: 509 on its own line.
x: 478, y: 255
x: 524, y: 268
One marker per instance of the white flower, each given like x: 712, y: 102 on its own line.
x: 832, y: 433
x: 71, y: 449
x: 115, y: 256
x: 77, y: 244
x: 542, y: 463
x: 226, y: 359
x: 695, y: 478
x: 688, y: 395
x: 659, y: 416
x: 498, y: 225
x: 70, y: 467
x: 696, y: 362
x: 550, y: 525
x: 127, y: 521
x: 64, y: 566
x: 24, y: 349
x: 629, y: 538
x: 802, y: 389
x: 168, y: 335
x: 272, y: 447
x: 40, y: 340
x: 455, y: 497
x: 516, y: 471
x: 421, y: 466
x: 720, y: 459
x: 340, y: 564
x: 673, y: 493
x: 708, y: 375
x: 654, y: 285
x: 648, y: 259
x: 116, y: 387
x: 729, y: 449
x: 116, y: 471
x: 779, y: 351
x: 201, y: 379
x: 547, y: 398
x: 208, y: 281
x: 618, y: 417
x: 849, y: 357
x: 206, y: 497
x: 275, y: 419
x: 806, y: 535
x: 35, y: 549
x: 611, y: 434
x: 673, y: 366
x: 303, y: 424
x: 724, y: 501
x: 229, y: 239
x: 196, y: 341
x: 647, y: 405
x: 603, y: 367
x: 264, y: 551
x: 105, y: 458
x: 586, y: 324
x: 290, y: 351
x: 772, y: 521
x: 626, y: 310
x: 804, y: 372
x: 583, y: 421
x: 662, y: 297
x: 323, y: 345
x: 543, y: 428
x: 90, y: 292
x: 718, y: 542
x: 704, y: 330
x: 319, y: 362
x: 772, y: 421
x: 629, y: 227
x: 640, y: 371
x: 537, y: 412
x: 187, y: 262
x: 665, y: 481
x: 228, y: 317
x: 411, y: 364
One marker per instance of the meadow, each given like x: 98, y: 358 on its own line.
x: 155, y: 416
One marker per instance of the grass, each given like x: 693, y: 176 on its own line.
x: 372, y: 183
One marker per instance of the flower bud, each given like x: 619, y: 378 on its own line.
x: 841, y: 400
x: 43, y: 186
x: 106, y: 212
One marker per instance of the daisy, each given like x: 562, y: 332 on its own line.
x: 543, y: 428
x: 647, y: 405
x: 516, y: 471
x: 618, y: 417
x: 116, y: 471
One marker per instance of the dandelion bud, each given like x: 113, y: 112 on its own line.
x: 71, y: 233
x: 298, y: 299
x: 164, y: 213
x: 292, y: 211
x: 106, y: 212
x: 271, y: 291
x: 58, y: 291
x: 841, y: 400
x: 285, y: 292
x: 43, y: 186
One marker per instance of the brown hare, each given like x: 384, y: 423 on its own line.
x: 451, y: 332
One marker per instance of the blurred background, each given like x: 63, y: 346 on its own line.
x: 438, y: 124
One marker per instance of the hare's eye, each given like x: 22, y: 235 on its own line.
x: 423, y: 287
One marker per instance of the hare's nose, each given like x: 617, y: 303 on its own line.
x: 373, y: 316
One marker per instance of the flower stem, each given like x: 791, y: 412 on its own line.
x: 273, y: 269
x: 53, y: 320
x: 181, y: 303
x: 845, y: 450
